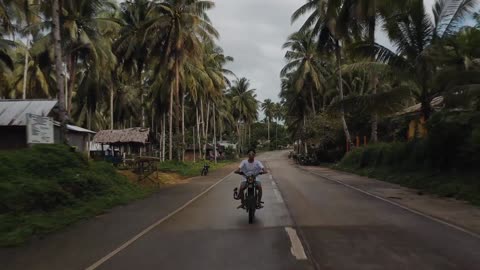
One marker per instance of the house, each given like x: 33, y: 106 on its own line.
x: 13, y: 124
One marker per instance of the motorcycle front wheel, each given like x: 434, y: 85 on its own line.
x: 251, y: 215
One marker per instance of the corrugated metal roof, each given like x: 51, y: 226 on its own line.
x: 79, y: 129
x: 436, y: 104
x: 13, y: 112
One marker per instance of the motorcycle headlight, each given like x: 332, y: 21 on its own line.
x: 250, y: 179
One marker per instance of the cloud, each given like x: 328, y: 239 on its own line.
x: 253, y: 31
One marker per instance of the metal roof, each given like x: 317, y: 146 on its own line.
x: 79, y: 129
x: 13, y: 112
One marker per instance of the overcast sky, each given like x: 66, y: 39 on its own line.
x: 253, y: 31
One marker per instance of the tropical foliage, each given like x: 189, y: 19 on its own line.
x: 336, y: 70
x: 124, y: 64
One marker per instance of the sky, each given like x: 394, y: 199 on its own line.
x: 253, y: 31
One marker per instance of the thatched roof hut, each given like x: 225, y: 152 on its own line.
x: 123, y: 136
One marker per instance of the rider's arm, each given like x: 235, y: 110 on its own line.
x: 262, y: 168
x: 239, y: 169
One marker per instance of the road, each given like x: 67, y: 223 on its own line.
x: 308, y: 223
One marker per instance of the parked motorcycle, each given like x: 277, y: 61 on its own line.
x: 250, y: 196
x: 204, y: 170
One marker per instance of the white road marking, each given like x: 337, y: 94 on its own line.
x: 270, y: 176
x: 278, y: 195
x: 402, y: 206
x: 274, y: 184
x: 297, y: 247
x: 151, y: 227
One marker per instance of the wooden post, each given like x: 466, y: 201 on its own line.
x: 358, y: 141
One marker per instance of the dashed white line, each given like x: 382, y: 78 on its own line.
x: 297, y: 248
x: 278, y: 195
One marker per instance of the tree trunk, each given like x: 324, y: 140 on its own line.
x: 374, y: 135
x: 58, y: 68
x: 214, y: 135
x: 313, y: 102
x: 276, y: 134
x: 183, y: 127
x: 372, y: 26
x: 73, y: 75
x: 194, y: 146
x: 143, y: 110
x: 249, y: 135
x: 177, y: 108
x: 25, y: 71
x: 268, y: 129
x: 170, y: 126
x: 207, y: 122
x: 239, y: 141
x: 111, y: 108
x: 89, y: 126
x: 338, y: 54
x: 164, y: 135
x: 198, y: 132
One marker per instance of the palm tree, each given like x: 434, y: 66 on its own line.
x: 278, y: 114
x: 327, y: 21
x: 58, y: 65
x: 414, y: 35
x: 268, y: 107
x: 130, y: 47
x: 305, y: 63
x: 244, y: 105
x: 176, y: 28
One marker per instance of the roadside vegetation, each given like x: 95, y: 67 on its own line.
x: 45, y: 188
x: 405, y: 112
x: 190, y: 168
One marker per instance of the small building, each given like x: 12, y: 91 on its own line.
x: 130, y: 140
x: 416, y: 126
x: 13, y: 124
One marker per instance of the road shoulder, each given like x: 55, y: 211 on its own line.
x: 452, y: 211
x: 78, y: 246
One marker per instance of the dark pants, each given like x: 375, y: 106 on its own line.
x: 243, y: 186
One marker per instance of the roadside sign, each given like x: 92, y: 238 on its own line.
x: 39, y: 129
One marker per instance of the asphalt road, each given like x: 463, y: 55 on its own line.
x: 308, y: 223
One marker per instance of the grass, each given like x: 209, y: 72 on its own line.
x: 410, y: 165
x: 190, y: 168
x: 45, y: 188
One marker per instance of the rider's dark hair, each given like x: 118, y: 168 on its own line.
x: 251, y: 150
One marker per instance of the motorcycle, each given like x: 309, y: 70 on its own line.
x: 205, y: 168
x: 250, y: 196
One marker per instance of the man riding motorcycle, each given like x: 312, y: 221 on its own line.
x: 247, y: 167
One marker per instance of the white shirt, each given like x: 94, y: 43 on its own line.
x: 251, y: 168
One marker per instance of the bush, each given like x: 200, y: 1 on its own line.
x: 452, y: 144
x: 444, y: 163
x: 46, y: 187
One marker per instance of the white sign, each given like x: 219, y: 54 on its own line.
x: 39, y: 129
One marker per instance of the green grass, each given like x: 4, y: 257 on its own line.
x: 45, y: 188
x: 411, y: 165
x: 190, y: 168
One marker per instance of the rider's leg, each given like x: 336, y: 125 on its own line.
x: 241, y: 192
x: 260, y: 192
